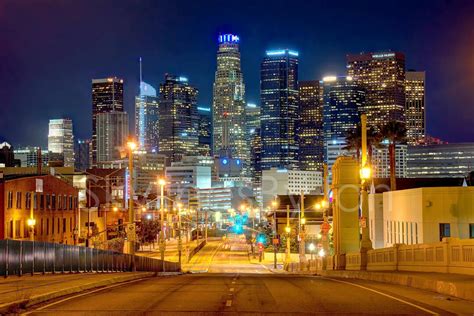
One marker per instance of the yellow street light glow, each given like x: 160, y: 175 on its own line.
x: 303, y: 221
x: 274, y: 204
x: 324, y: 203
x: 321, y: 253
x: 161, y: 181
x: 132, y: 145
x: 311, y: 247
x: 288, y: 229
x: 115, y: 209
x: 317, y: 206
x: 180, y: 205
x: 365, y: 173
x: 144, y: 209
x: 31, y: 222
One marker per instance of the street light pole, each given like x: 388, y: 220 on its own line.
x: 288, y: 231
x: 131, y: 216
x: 365, y: 173
x: 303, y: 231
x: 179, y: 234
x: 162, y: 183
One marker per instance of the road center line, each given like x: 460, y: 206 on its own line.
x: 228, y: 303
x: 384, y: 294
x: 231, y: 289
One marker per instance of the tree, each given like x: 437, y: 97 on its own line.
x: 354, y: 140
x: 147, y: 230
x: 395, y: 132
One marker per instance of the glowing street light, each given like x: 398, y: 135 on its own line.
x: 288, y: 229
x: 311, y: 247
x: 365, y: 173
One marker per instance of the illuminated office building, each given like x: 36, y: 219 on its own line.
x: 252, y: 129
x: 415, y: 109
x: 82, y: 154
x: 205, y: 131
x: 342, y: 100
x: 279, y: 109
x: 146, y: 118
x: 178, y: 118
x: 61, y: 140
x: 310, y: 126
x: 29, y: 156
x: 382, y: 75
x: 112, y: 135
x: 440, y: 161
x: 107, y: 96
x: 381, y: 161
x: 229, y: 100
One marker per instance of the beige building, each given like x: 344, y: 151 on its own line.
x: 422, y: 215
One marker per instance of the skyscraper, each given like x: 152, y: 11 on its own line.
x: 82, y: 154
x: 107, y: 96
x: 146, y: 118
x: 205, y: 131
x: 112, y: 135
x: 415, y: 109
x: 229, y: 99
x: 178, y: 118
x: 61, y: 140
x: 382, y: 75
x: 310, y: 126
x: 279, y: 108
x: 342, y: 100
x: 252, y: 130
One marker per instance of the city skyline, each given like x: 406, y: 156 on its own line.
x: 320, y: 55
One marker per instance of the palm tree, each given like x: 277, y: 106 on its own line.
x: 354, y: 140
x: 395, y: 132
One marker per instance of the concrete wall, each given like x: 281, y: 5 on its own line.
x: 414, y: 216
x: 376, y: 220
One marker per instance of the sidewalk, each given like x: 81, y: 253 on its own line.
x: 20, y: 292
x: 457, y: 285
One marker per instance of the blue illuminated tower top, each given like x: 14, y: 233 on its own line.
x: 228, y: 38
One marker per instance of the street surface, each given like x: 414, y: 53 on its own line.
x: 223, y: 279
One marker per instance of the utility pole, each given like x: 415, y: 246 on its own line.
x: 131, y: 215
x: 303, y: 229
x: 366, y: 243
x: 288, y: 234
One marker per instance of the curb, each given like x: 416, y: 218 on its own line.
x: 459, y: 290
x: 37, y: 299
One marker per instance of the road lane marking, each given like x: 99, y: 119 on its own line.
x: 233, y: 282
x: 384, y: 294
x: 231, y: 289
x: 228, y: 303
x: 82, y: 294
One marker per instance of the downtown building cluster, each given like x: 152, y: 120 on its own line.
x: 217, y: 157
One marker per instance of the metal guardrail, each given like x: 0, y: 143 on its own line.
x: 19, y: 257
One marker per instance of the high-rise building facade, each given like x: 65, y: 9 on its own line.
x: 29, y: 156
x: 342, y: 100
x: 415, y: 109
x: 252, y: 127
x: 279, y: 109
x: 381, y: 161
x: 440, y: 161
x: 107, y: 96
x: 310, y: 126
x: 382, y: 75
x: 146, y: 118
x: 229, y: 100
x: 205, y: 131
x: 178, y: 118
x: 82, y: 153
x: 61, y: 140
x: 112, y: 135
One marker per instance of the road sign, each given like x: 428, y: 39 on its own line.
x: 131, y: 232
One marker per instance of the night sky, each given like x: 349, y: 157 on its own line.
x: 50, y: 51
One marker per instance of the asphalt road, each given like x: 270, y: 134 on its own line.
x: 214, y: 294
x: 224, y: 280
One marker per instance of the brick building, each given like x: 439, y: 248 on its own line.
x: 55, y: 209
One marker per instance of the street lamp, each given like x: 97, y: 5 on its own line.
x: 180, y: 205
x: 162, y: 183
x: 288, y: 231
x: 274, y: 207
x: 131, y: 215
x: 31, y: 222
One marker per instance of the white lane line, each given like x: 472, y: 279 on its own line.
x: 82, y: 294
x: 384, y: 294
x: 231, y: 289
x: 233, y: 282
x: 228, y: 303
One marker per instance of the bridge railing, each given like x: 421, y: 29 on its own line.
x: 18, y: 257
